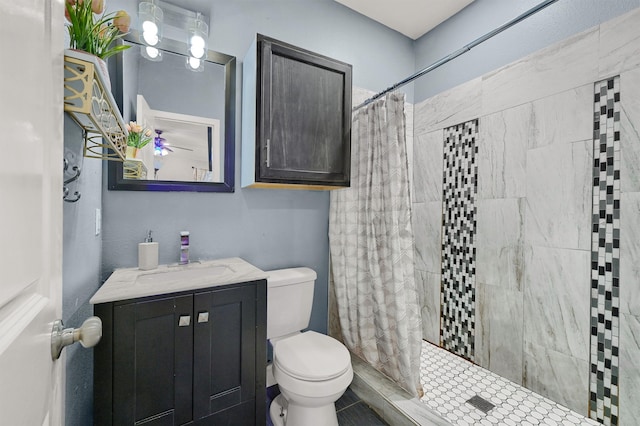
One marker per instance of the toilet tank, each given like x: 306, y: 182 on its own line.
x: 289, y: 300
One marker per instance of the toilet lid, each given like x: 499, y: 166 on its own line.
x: 312, y: 356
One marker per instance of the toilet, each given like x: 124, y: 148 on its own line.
x: 311, y: 369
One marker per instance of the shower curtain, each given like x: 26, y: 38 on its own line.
x: 371, y: 245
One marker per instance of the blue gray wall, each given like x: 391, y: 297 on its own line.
x: 555, y: 23
x: 81, y: 260
x: 269, y: 228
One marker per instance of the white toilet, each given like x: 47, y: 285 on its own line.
x: 311, y: 369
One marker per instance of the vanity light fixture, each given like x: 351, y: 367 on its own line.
x: 150, y: 17
x: 157, y: 17
x: 198, y: 35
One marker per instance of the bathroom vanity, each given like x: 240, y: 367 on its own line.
x: 183, y: 344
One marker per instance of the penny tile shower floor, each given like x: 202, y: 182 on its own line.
x: 449, y: 381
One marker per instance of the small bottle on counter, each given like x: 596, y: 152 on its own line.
x: 148, y: 254
x: 184, y: 247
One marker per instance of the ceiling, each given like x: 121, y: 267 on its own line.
x: 413, y: 18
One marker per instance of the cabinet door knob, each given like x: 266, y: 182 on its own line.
x: 203, y: 317
x: 185, y: 321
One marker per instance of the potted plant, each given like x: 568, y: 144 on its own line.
x: 138, y: 138
x: 92, y: 30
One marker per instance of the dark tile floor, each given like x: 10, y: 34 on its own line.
x: 350, y: 409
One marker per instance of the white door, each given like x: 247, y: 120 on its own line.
x: 31, y: 141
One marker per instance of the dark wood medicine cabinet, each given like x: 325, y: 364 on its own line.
x: 296, y: 118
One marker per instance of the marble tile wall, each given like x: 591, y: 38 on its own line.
x: 627, y: 63
x: 534, y: 205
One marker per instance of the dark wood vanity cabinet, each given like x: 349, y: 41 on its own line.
x: 296, y: 117
x: 194, y: 357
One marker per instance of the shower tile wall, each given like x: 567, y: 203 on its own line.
x: 533, y: 239
x: 458, y: 288
x: 605, y: 260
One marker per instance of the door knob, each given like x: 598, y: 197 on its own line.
x: 88, y: 335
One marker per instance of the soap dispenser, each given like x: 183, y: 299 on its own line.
x: 147, y: 254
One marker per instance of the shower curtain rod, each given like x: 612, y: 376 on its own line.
x: 459, y: 52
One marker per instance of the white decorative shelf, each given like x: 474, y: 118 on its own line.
x: 88, y: 100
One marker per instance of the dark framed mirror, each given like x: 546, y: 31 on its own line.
x: 186, y: 111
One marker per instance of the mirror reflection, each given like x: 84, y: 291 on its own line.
x: 176, y: 146
x: 180, y: 119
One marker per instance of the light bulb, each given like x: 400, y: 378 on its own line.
x: 150, y: 17
x: 194, y: 63
x: 197, y: 41
x: 197, y: 46
x: 150, y: 38
x: 152, y: 52
x: 196, y: 51
x: 149, y: 27
x: 197, y: 38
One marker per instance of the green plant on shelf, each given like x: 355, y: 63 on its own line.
x: 139, y: 136
x: 94, y: 31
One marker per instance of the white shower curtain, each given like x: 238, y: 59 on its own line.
x: 371, y: 245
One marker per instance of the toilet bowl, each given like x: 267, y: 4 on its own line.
x: 311, y: 369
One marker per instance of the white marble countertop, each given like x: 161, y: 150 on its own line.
x: 132, y: 283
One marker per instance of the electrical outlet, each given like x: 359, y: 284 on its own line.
x: 98, y: 221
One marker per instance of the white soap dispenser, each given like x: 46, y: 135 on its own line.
x: 148, y: 254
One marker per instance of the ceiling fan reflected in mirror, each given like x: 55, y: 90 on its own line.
x: 162, y: 147
x: 159, y: 146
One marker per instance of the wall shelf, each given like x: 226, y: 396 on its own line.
x: 133, y: 168
x: 88, y: 100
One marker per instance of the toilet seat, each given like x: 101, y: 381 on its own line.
x: 312, y: 357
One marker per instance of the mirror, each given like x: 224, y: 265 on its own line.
x: 188, y: 117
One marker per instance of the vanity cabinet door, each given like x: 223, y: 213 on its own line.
x: 225, y: 387
x: 152, y: 362
x: 303, y: 120
x: 196, y: 357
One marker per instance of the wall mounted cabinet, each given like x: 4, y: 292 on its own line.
x: 296, y: 118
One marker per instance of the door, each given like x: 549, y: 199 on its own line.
x: 31, y: 115
x: 152, y: 362
x: 224, y: 366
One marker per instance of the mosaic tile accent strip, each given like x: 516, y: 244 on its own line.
x: 457, y: 298
x: 450, y: 381
x: 605, y: 253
